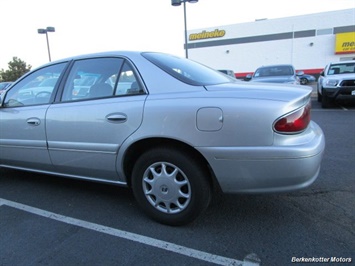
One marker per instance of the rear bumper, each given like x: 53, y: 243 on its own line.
x: 267, y: 169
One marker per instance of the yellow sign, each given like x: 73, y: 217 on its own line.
x: 345, y: 43
x: 207, y: 35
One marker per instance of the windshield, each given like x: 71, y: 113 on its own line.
x: 274, y: 71
x: 341, y: 68
x: 3, y: 85
x: 187, y: 71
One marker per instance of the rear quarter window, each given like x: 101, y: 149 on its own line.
x: 187, y: 71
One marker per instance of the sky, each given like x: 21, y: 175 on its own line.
x: 90, y: 26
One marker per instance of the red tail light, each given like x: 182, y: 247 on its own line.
x: 294, y: 122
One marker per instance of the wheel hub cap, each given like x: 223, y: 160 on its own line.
x: 166, y: 187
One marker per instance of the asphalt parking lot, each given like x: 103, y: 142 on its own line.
x: 45, y: 220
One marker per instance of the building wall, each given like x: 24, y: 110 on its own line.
x: 307, y: 42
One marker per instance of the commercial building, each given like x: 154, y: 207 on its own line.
x: 308, y: 42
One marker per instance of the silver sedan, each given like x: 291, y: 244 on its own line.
x: 169, y: 128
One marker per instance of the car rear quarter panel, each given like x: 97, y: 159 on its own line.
x: 244, y: 152
x: 243, y: 122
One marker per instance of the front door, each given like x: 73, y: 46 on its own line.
x: 23, y: 141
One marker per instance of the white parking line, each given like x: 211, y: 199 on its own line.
x: 189, y: 252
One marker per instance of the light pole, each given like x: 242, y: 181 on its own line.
x: 178, y: 3
x: 45, y: 31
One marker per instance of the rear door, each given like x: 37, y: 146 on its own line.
x: 86, y: 128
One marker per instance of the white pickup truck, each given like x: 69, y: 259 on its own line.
x: 337, y: 81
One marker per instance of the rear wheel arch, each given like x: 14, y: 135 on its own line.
x: 137, y: 149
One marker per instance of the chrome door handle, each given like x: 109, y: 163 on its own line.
x: 117, y: 117
x: 33, y: 121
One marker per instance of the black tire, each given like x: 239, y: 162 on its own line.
x: 171, y: 186
x: 326, y: 102
x: 303, y: 81
x: 319, y: 97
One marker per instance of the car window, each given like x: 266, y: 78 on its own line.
x: 187, y: 71
x: 36, y: 88
x: 341, y: 68
x: 274, y: 71
x: 127, y: 83
x: 98, y: 78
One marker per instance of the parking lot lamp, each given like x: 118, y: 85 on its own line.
x: 45, y: 31
x: 178, y: 3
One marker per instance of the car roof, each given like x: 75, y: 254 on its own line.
x: 99, y: 54
x: 276, y: 65
x: 342, y: 62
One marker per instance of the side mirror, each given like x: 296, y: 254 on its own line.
x: 2, y: 98
x: 299, y: 73
x: 322, y: 73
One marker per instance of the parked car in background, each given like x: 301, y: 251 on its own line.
x: 227, y: 72
x: 4, y: 86
x: 169, y: 128
x: 276, y: 74
x: 336, y: 81
x: 306, y: 79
